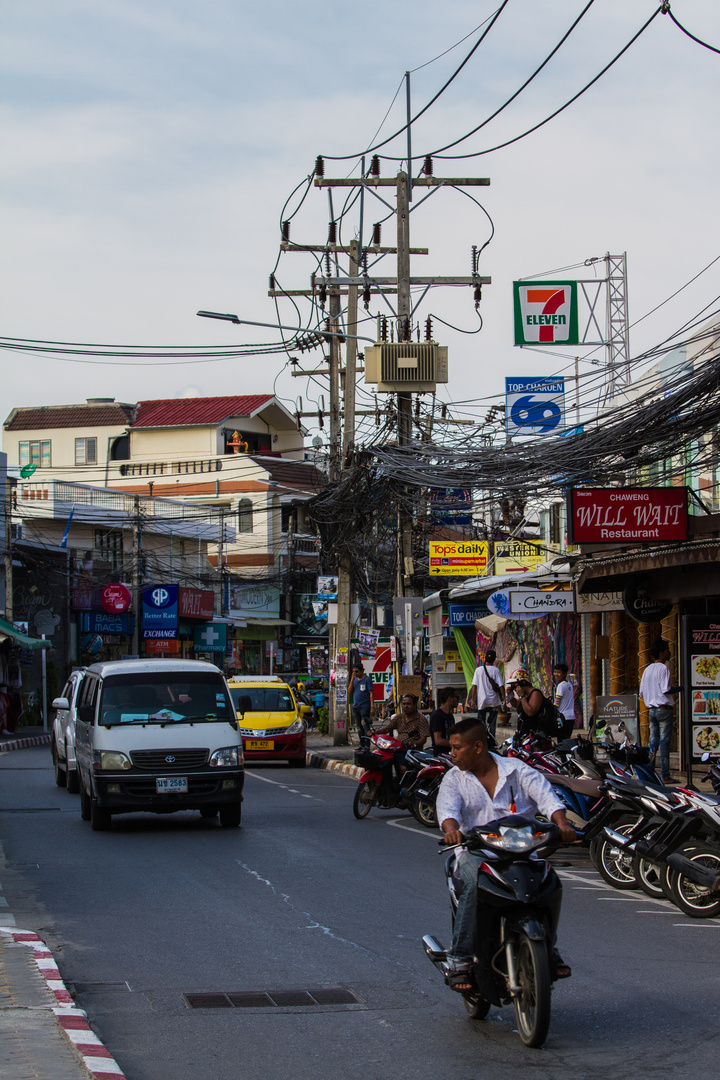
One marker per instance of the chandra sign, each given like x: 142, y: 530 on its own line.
x: 546, y: 312
x: 466, y: 559
x: 627, y: 515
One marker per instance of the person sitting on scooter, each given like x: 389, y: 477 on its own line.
x: 411, y: 726
x: 480, y: 789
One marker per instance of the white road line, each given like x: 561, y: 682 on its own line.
x: 285, y: 787
x: 396, y: 823
x: 656, y: 911
x: 704, y: 925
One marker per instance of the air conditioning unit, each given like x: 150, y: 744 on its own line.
x: 406, y: 365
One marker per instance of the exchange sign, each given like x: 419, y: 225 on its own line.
x: 546, y: 313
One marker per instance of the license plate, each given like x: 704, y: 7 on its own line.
x: 171, y: 783
x: 259, y: 744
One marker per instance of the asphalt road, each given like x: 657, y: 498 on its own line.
x: 304, y: 897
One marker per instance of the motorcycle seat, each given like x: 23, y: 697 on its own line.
x: 583, y: 787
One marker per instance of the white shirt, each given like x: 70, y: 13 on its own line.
x: 463, y: 797
x: 654, y: 686
x: 488, y: 697
x: 565, y: 699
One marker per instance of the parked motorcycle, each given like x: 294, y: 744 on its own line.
x: 513, y: 963
x: 415, y: 790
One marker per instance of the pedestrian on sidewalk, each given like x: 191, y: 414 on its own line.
x: 443, y: 719
x: 656, y: 691
x: 487, y: 691
x: 363, y: 702
x: 564, y: 695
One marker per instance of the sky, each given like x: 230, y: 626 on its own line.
x: 149, y: 151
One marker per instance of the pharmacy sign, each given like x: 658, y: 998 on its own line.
x: 546, y: 312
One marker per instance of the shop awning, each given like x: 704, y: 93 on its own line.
x: 7, y: 630
x: 688, y: 569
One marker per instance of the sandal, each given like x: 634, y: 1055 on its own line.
x: 561, y: 969
x: 460, y: 981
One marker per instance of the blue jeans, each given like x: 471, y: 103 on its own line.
x: 361, y: 720
x: 661, y: 725
x: 465, y: 875
x: 489, y: 719
x: 473, y: 926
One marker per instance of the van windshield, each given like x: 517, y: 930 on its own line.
x: 160, y: 697
x: 262, y: 699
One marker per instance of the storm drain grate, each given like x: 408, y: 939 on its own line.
x: 273, y: 999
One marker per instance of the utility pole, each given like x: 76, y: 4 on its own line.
x: 137, y: 576
x: 8, y: 547
x: 405, y: 565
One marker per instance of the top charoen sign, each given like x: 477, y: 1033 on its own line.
x: 546, y: 313
x: 627, y: 515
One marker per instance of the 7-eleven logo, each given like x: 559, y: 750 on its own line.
x: 545, y: 313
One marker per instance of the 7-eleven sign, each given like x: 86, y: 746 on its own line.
x: 546, y: 313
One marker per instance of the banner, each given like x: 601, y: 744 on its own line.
x: 368, y: 641
x: 702, y: 686
x: 546, y: 312
x: 327, y: 588
x: 464, y: 559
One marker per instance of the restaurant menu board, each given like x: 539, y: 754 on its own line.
x: 702, y: 661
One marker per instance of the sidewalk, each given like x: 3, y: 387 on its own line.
x: 22, y: 737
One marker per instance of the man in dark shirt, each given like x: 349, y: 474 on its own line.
x: 443, y: 719
x: 363, y: 702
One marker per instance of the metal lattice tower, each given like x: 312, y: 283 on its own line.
x: 617, y: 338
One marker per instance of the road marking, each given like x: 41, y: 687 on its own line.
x: 397, y: 823
x: 702, y: 925
x: 654, y: 911
x: 285, y: 787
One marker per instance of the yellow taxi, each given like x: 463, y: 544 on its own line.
x: 272, y: 723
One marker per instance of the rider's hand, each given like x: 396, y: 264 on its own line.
x: 568, y: 834
x: 453, y: 837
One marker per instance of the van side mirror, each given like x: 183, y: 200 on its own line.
x: 60, y: 703
x: 86, y: 713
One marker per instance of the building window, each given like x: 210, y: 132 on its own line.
x: 86, y: 451
x: 245, y: 515
x: 109, y: 547
x: 35, y: 453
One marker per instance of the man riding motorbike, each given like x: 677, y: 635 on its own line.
x: 480, y: 789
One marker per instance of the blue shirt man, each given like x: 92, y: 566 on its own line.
x: 363, y: 703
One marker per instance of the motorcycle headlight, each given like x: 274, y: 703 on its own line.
x: 517, y: 839
x: 228, y: 755
x: 296, y: 728
x: 112, y: 760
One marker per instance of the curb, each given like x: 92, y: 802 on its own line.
x: 21, y: 744
x: 317, y: 761
x: 98, y: 1061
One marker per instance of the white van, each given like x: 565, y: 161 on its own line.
x: 157, y: 735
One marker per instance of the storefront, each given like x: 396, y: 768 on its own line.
x: 664, y: 590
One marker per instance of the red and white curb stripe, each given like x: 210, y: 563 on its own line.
x: 343, y: 767
x: 97, y: 1060
x: 21, y: 744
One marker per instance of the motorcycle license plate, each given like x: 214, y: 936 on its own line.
x: 421, y: 792
x: 171, y: 783
x: 259, y: 744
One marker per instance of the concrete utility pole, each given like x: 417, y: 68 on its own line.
x: 137, y: 576
x: 8, y: 547
x: 334, y: 286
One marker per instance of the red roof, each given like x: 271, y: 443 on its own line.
x: 197, y: 412
x: 107, y: 414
